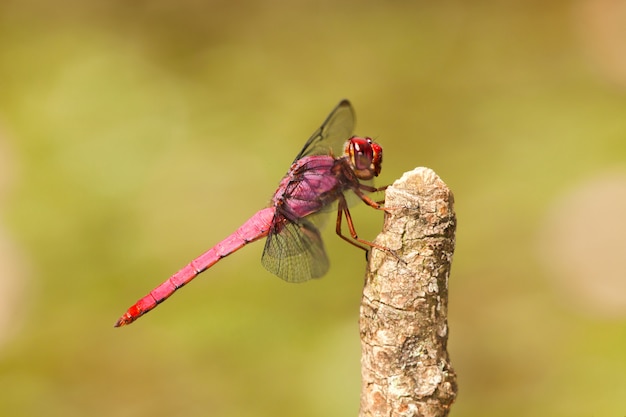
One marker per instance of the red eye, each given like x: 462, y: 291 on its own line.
x: 365, y: 157
x: 377, y: 158
x: 362, y: 154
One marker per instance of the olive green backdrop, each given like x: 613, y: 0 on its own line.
x: 135, y: 135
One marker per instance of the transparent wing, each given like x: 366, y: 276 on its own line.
x: 296, y: 253
x: 332, y: 134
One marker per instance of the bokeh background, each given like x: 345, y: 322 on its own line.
x: 134, y: 135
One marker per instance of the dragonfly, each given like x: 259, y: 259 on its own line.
x: 333, y: 167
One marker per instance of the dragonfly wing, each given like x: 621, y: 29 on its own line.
x: 296, y: 252
x: 332, y: 134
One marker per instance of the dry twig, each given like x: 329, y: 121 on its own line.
x: 404, y: 331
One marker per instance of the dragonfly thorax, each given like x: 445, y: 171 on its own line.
x: 365, y: 156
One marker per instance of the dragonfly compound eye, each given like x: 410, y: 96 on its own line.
x: 377, y: 159
x: 365, y: 157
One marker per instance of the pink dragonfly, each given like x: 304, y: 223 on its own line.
x: 331, y: 163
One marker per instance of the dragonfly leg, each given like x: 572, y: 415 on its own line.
x: 370, y: 189
x: 343, y: 209
x: 378, y: 205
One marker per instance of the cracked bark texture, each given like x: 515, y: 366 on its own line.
x: 405, y: 367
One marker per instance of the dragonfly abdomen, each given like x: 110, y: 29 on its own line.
x: 256, y: 227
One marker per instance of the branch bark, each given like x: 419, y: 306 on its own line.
x: 405, y: 367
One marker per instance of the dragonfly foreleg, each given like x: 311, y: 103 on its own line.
x: 370, y: 189
x: 343, y: 209
x: 378, y: 205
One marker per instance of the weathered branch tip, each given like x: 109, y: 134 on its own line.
x: 405, y: 366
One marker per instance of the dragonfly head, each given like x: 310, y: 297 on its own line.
x: 366, y: 157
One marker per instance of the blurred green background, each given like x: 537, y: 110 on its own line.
x: 134, y: 135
